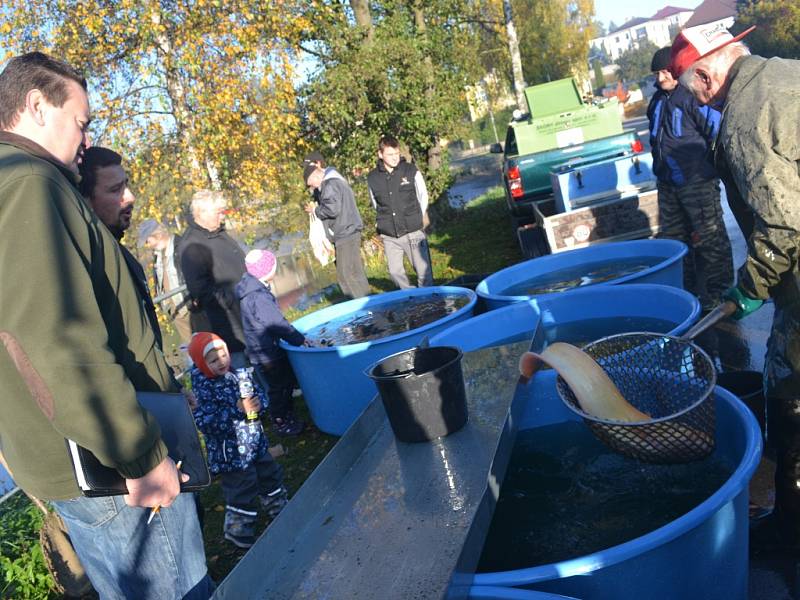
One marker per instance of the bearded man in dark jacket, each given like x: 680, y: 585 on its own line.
x: 212, y: 263
x: 104, y: 183
x: 681, y: 133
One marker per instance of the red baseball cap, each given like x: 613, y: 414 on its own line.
x: 693, y: 43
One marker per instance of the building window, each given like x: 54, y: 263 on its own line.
x: 641, y: 32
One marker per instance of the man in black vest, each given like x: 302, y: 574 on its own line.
x: 399, y: 195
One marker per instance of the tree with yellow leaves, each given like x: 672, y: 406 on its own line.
x: 196, y: 93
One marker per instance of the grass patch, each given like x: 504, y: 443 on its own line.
x: 24, y: 574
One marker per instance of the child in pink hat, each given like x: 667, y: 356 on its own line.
x: 264, y: 326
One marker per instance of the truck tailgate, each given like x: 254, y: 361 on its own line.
x: 535, y: 168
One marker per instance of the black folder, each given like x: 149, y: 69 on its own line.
x: 178, y: 432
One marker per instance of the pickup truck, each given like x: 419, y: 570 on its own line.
x: 560, y: 131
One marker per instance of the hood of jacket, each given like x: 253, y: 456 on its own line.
x: 331, y: 173
x: 31, y: 147
x: 249, y: 285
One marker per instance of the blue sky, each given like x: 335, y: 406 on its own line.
x: 620, y: 11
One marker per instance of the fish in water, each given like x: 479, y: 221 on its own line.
x: 599, y: 397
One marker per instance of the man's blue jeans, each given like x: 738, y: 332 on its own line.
x: 126, y: 558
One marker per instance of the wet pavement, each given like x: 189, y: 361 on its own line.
x: 474, y: 176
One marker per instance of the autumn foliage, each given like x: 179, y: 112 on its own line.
x: 196, y: 93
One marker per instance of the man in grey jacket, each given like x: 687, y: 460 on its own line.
x: 757, y: 155
x: 339, y: 214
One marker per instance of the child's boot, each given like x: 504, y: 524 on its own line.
x: 274, y: 502
x: 288, y: 425
x: 240, y: 527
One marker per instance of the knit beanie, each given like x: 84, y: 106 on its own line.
x: 661, y: 59
x: 261, y: 263
x: 200, y: 345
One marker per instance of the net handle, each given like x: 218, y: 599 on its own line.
x: 726, y: 309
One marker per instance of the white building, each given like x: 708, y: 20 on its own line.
x: 658, y: 29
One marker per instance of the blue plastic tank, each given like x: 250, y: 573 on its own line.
x: 668, y: 270
x: 6, y: 483
x: 702, y: 554
x: 618, y: 309
x: 487, y: 592
x: 334, y: 385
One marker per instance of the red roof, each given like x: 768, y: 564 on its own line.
x: 632, y: 23
x: 668, y: 11
x: 710, y: 11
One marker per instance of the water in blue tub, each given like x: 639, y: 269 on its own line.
x: 386, y: 319
x: 566, y: 495
x: 589, y: 273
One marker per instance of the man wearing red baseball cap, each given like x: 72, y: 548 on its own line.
x: 757, y: 155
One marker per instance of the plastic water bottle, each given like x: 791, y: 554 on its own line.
x: 246, y: 389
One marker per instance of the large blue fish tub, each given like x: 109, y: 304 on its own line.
x: 660, y: 261
x: 577, y: 317
x: 702, y: 554
x: 334, y: 385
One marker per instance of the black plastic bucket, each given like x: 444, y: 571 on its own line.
x: 749, y: 387
x: 422, y: 390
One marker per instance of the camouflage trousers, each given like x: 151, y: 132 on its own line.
x: 693, y: 215
x: 782, y: 390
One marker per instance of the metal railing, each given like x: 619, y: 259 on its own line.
x: 170, y: 294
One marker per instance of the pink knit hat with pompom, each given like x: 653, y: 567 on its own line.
x: 261, y: 263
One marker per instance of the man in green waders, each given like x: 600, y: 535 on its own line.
x: 757, y: 155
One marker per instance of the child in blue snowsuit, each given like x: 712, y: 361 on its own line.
x: 264, y: 326
x: 236, y: 445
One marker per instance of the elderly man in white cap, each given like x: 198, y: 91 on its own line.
x: 758, y: 157
x: 156, y: 237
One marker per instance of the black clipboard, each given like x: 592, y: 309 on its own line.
x: 179, y: 434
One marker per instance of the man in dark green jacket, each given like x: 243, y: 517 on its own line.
x: 758, y: 157
x: 76, y: 345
